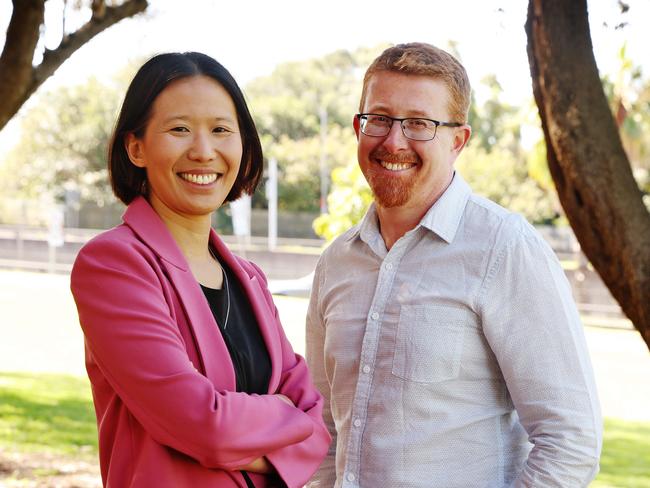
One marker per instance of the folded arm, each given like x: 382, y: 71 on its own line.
x: 132, y: 336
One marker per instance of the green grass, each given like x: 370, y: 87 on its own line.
x: 54, y: 413
x: 625, y: 462
x: 46, y: 412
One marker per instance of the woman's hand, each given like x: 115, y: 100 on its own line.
x: 260, y: 465
x: 285, y: 399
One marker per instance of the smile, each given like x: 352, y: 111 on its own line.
x: 396, y: 166
x: 202, y: 179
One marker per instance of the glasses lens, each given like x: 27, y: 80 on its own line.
x: 375, y: 125
x: 419, y: 129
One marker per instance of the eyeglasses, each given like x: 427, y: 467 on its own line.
x: 376, y: 125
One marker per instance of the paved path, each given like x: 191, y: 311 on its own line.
x: 39, y: 332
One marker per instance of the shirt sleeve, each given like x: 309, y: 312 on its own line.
x: 325, y: 477
x: 532, y: 324
x: 297, y: 462
x: 133, y: 338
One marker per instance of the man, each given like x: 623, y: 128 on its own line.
x: 441, y: 329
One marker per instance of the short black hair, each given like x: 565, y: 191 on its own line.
x: 129, y: 181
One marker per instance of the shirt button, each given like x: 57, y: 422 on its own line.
x: 350, y: 476
x: 357, y: 423
x: 366, y: 369
x: 374, y: 316
x: 389, y: 266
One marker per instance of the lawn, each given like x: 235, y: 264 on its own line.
x: 52, y: 416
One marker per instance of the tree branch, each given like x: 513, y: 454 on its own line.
x: 52, y: 59
x: 17, y: 54
x: 17, y: 88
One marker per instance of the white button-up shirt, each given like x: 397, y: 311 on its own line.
x: 456, y: 359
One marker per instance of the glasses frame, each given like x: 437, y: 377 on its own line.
x: 437, y: 124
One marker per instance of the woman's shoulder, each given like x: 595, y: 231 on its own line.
x: 118, y: 238
x: 117, y: 247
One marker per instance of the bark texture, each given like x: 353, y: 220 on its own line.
x: 19, y: 79
x: 587, y: 161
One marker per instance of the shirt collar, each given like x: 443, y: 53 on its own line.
x: 443, y: 218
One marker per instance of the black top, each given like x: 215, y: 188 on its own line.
x: 243, y: 338
x: 241, y: 334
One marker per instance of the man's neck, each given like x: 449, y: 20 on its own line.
x: 397, y: 221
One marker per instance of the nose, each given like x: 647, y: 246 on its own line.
x: 202, y: 148
x: 395, y: 139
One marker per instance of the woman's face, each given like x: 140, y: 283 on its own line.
x: 191, y: 148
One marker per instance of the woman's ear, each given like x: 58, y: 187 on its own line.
x: 133, y: 146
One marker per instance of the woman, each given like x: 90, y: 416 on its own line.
x: 193, y: 380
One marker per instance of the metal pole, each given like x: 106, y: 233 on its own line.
x: 272, y: 195
x: 324, y: 176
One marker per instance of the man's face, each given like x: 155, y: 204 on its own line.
x: 402, y: 172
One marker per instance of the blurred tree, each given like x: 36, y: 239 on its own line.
x: 19, y: 78
x: 504, y: 177
x: 298, y: 165
x: 494, y: 120
x: 286, y: 107
x: 63, y: 144
x: 348, y: 202
x: 629, y: 99
x: 589, y: 166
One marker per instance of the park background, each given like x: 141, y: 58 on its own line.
x: 300, y: 65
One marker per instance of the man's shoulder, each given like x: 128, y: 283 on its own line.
x: 493, y: 218
x: 342, y: 242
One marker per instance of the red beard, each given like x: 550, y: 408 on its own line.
x: 392, y: 191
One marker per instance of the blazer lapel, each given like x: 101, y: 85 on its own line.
x: 264, y: 314
x: 212, y: 349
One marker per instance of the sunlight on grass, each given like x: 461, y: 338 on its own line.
x: 625, y: 462
x: 45, y: 412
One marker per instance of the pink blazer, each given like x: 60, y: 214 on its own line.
x: 162, y: 380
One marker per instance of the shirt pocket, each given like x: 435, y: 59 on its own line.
x: 429, y: 342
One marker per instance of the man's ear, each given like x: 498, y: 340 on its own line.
x: 355, y: 124
x: 133, y: 146
x: 461, y: 136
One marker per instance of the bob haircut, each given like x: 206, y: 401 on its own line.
x: 129, y: 181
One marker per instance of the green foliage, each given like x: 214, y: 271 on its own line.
x: 64, y: 143
x: 347, y: 202
x: 287, y: 108
x: 494, y: 122
x: 299, y: 165
x: 46, y: 412
x: 504, y: 179
x: 288, y: 102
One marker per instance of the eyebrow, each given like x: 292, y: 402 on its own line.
x: 414, y: 114
x: 187, y: 118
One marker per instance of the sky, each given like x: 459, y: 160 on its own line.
x: 251, y: 37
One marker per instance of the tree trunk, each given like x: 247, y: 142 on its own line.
x: 590, y: 169
x: 18, y: 78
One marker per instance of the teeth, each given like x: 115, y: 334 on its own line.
x: 202, y: 179
x: 395, y: 166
